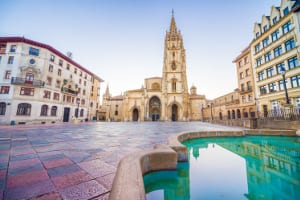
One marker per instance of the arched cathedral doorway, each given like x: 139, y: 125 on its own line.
x: 154, y: 108
x: 174, y: 112
x: 135, y: 115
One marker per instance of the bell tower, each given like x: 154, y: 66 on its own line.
x: 174, y: 81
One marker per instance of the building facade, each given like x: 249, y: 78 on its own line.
x: 42, y: 85
x: 163, y: 98
x: 246, y: 84
x: 275, y: 58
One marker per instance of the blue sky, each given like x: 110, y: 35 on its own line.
x: 123, y: 41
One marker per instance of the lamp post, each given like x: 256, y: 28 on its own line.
x: 282, y: 71
x: 108, y: 119
x: 211, y: 113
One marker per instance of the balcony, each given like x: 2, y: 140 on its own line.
x: 23, y: 81
x: 69, y: 91
x: 246, y: 90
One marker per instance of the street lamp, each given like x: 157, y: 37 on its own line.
x: 78, y: 102
x: 211, y: 113
x: 282, y: 71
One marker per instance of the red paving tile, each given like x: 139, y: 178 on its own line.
x: 22, y: 152
x: 49, y: 153
x: 71, y: 179
x: 27, y: 178
x: 23, y: 163
x: 56, y: 163
x: 85, y: 190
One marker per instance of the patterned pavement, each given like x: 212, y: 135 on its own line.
x: 75, y: 161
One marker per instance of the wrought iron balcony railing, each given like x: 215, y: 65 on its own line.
x: 69, y: 91
x: 23, y: 81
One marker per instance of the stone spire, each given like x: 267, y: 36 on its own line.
x: 173, y: 28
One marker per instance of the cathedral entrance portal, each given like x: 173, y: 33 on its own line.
x: 174, y: 112
x: 135, y: 115
x: 154, y: 108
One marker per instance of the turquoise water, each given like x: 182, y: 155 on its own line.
x: 251, y: 167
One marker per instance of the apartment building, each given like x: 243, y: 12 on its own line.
x: 245, y: 84
x: 42, y: 85
x: 275, y: 58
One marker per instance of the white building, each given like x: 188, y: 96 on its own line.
x: 39, y: 84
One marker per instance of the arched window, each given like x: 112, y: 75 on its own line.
x: 2, y: 108
x: 24, y: 109
x: 81, y: 112
x: 53, y: 110
x: 44, y: 110
x: 174, y: 85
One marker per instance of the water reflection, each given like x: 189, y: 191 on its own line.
x: 254, y: 167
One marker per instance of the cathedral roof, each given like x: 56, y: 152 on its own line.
x: 173, y: 28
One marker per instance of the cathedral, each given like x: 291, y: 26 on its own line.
x: 164, y: 98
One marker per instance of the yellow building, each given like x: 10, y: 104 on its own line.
x: 275, y: 57
x: 95, y: 98
x: 163, y: 98
x: 245, y: 83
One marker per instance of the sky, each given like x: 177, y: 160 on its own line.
x: 123, y: 41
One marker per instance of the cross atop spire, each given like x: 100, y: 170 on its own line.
x: 173, y: 28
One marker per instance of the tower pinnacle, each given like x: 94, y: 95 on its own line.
x: 173, y: 28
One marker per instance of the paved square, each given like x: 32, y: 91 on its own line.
x: 75, y: 161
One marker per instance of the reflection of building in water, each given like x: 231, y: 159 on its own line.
x: 195, y: 149
x: 175, y: 184
x: 272, y: 167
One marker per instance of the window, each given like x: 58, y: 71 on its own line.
x: 272, y: 87
x: 52, y: 58
x: 56, y: 96
x: 241, y: 75
x: 27, y: 91
x: 275, y: 20
x: 47, y: 94
x: 281, y: 85
x: 263, y: 90
x: 275, y: 35
x: 257, y: 34
x: 286, y: 11
x: 24, y: 109
x: 59, y: 72
x: 290, y: 44
x: 80, y: 74
x: 295, y: 80
x: 279, y: 67
x: 7, y: 74
x: 286, y: 27
x: 247, y: 72
x: 265, y: 28
x: 2, y: 108
x: 82, y: 102
x: 53, y: 110
x: 257, y: 48
x: 44, y: 110
x: 13, y: 48
x: 50, y: 69
x: 250, y: 98
x: 277, y: 51
x: 76, y: 112
x: 79, y: 90
x: 29, y: 77
x: 34, y: 51
x: 293, y: 62
x: 10, y: 60
x: 60, y: 62
x: 265, y: 42
x: 246, y: 60
x: 83, y: 92
x: 49, y: 81
x: 249, y: 85
x: 261, y: 75
x: 270, y: 72
x: 75, y: 70
x: 4, y: 89
x: 244, y: 100
x: 84, y: 83
x: 268, y: 57
x: 81, y: 112
x: 173, y: 85
x: 242, y: 87
x: 80, y: 81
x: 57, y: 84
x: 258, y: 61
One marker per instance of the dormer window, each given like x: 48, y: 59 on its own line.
x: 275, y: 20
x: 265, y: 28
x: 257, y: 34
x: 13, y: 48
x: 286, y: 11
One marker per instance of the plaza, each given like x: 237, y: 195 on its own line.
x: 67, y: 161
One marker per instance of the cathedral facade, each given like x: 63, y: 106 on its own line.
x: 165, y: 98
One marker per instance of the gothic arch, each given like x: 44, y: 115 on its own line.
x: 154, y: 108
